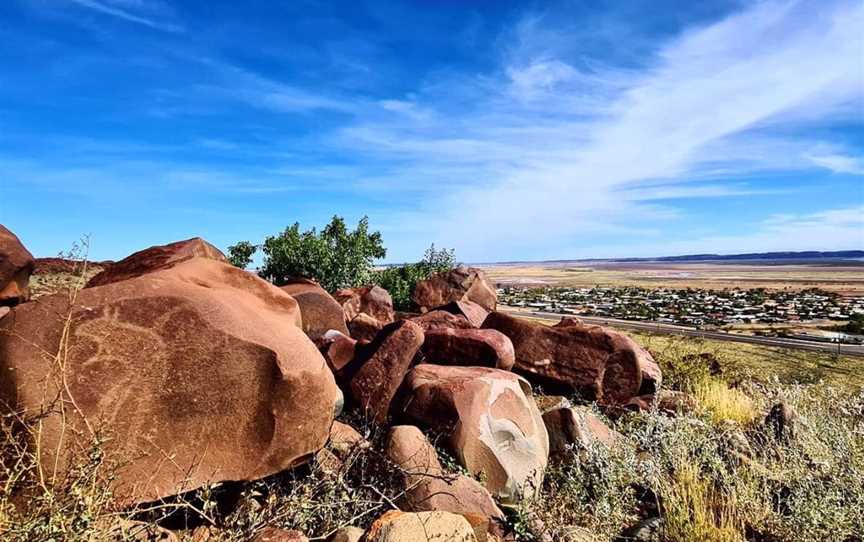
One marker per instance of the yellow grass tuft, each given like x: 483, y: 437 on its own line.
x: 724, y: 403
x: 694, y: 510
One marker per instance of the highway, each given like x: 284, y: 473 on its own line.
x: 654, y: 327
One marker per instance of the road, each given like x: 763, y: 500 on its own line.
x: 654, y: 327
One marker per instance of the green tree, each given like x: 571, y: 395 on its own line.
x: 400, y: 281
x: 241, y: 253
x: 335, y: 257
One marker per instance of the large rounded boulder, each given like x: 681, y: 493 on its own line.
x: 459, y: 284
x: 156, y: 258
x: 320, y: 311
x: 191, y: 375
x: 599, y: 363
x: 491, y: 422
x: 16, y: 266
x: 373, y: 300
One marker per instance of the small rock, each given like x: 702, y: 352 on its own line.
x: 347, y: 534
x: 136, y: 531
x: 549, y: 402
x: 395, y: 526
x: 372, y: 300
x: 273, y: 534
x: 576, y: 426
x: 649, y: 530
x: 782, y: 419
x: 319, y: 310
x: 568, y: 321
x: 473, y: 312
x: 441, y: 319
x: 338, y: 349
x: 669, y: 402
x: 573, y: 533
x: 364, y: 327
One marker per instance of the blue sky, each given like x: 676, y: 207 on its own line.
x: 506, y: 130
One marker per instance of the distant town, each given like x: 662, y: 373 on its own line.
x: 701, y: 309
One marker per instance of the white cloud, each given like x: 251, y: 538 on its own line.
x: 550, y: 155
x: 838, y: 163
x: 136, y: 11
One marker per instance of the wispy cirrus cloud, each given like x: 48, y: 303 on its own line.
x: 838, y: 162
x: 572, y: 150
x: 144, y: 12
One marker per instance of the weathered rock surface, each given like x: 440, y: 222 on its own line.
x: 600, y: 363
x: 473, y: 312
x: 343, y: 442
x: 567, y: 321
x: 383, y: 367
x: 338, y: 349
x: 372, y: 300
x: 364, y: 327
x: 194, y: 363
x: 441, y: 319
x: 782, y: 420
x: 491, y: 422
x: 131, y: 531
x: 274, y: 534
x: 347, y: 534
x: 647, y: 530
x: 576, y: 427
x: 16, y: 266
x: 319, y: 309
x: 669, y: 402
x: 469, y: 347
x: 460, y: 284
x: 395, y: 526
x: 429, y: 487
x: 155, y: 258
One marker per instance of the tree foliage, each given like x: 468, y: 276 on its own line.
x: 241, y: 253
x: 400, y: 281
x: 335, y: 257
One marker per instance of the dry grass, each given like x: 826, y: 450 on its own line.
x: 693, y: 509
x: 724, y: 403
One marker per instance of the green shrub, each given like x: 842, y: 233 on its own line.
x: 335, y: 257
x: 400, y: 281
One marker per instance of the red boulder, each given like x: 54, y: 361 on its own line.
x: 598, y: 362
x: 383, y: 366
x: 16, y: 266
x: 460, y: 284
x: 468, y: 347
x: 372, y: 300
x: 441, y: 319
x: 320, y: 311
x: 190, y: 370
x: 155, y: 258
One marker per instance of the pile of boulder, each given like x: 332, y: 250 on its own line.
x: 193, y: 372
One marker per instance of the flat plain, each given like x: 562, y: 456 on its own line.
x: 845, y: 278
